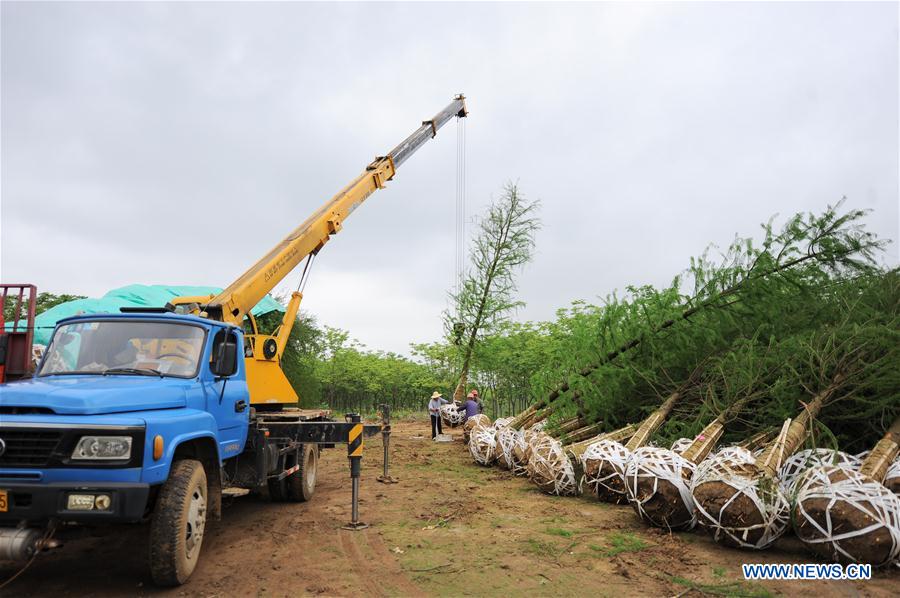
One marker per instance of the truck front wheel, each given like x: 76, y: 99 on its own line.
x: 178, y: 523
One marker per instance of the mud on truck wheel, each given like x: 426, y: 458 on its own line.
x: 300, y: 485
x: 178, y: 523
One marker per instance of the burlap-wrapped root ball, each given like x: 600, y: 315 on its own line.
x: 739, y: 505
x: 541, y: 443
x: 483, y: 445
x: 476, y: 421
x: 681, y: 445
x: 451, y: 415
x: 530, y: 441
x: 603, y: 463
x: 846, y: 516
x: 794, y: 466
x: 657, y: 482
x: 550, y: 468
x: 521, y: 449
x: 892, y: 479
x: 507, y: 439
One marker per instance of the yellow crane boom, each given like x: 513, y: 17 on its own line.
x: 264, y: 375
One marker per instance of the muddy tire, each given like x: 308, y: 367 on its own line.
x: 178, y: 524
x: 278, y: 491
x: 302, y: 485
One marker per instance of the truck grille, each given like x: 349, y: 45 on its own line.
x: 28, y: 448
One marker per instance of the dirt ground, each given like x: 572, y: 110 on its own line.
x: 448, y: 528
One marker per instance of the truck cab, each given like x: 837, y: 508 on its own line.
x: 102, y: 432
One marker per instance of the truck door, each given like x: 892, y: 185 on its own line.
x: 227, y: 398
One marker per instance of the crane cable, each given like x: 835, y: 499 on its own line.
x: 460, y: 239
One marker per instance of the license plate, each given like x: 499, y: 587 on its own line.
x: 4, y: 501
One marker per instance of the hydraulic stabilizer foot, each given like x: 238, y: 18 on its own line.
x: 386, y: 478
x: 354, y: 452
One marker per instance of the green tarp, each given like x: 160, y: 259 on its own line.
x: 133, y: 295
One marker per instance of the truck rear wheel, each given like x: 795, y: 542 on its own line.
x: 178, y: 524
x: 302, y: 484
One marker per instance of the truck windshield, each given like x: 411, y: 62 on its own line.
x: 119, y: 347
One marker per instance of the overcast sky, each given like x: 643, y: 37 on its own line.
x: 175, y: 144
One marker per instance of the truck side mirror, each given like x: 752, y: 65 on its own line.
x: 225, y: 362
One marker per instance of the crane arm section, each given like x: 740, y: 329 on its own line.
x: 233, y: 303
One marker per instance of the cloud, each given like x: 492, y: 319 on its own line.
x: 176, y: 143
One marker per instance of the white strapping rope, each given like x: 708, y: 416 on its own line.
x: 479, y: 420
x: 791, y: 472
x: 507, y: 439
x: 681, y: 445
x: 452, y: 415
x: 483, y: 446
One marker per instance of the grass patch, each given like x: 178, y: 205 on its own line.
x: 540, y: 548
x: 719, y: 571
x: 558, y: 531
x: 734, y: 589
x: 620, y: 543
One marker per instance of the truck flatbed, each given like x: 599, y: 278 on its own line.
x: 292, y: 415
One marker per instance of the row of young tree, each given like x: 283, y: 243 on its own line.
x: 757, y: 393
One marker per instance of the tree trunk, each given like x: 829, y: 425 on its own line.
x: 879, y: 460
x: 707, y: 439
x: 652, y: 423
x: 793, y: 435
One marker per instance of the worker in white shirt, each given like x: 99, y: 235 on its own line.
x: 434, y: 409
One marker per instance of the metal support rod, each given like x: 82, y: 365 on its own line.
x: 354, y: 453
x: 354, y: 516
x: 386, y: 478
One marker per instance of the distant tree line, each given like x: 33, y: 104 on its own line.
x: 43, y: 302
x: 329, y: 368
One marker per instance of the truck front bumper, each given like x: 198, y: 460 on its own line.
x: 37, y: 503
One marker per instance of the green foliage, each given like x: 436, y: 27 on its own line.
x: 850, y: 345
x: 503, y: 243
x: 330, y: 369
x: 42, y: 303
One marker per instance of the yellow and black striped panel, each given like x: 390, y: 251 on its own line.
x: 355, y: 441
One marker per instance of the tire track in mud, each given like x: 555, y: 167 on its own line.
x: 372, y: 562
x: 359, y: 564
x: 405, y: 586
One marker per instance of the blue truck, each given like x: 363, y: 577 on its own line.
x: 154, y: 414
x: 99, y: 435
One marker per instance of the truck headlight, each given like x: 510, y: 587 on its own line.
x: 103, y: 447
